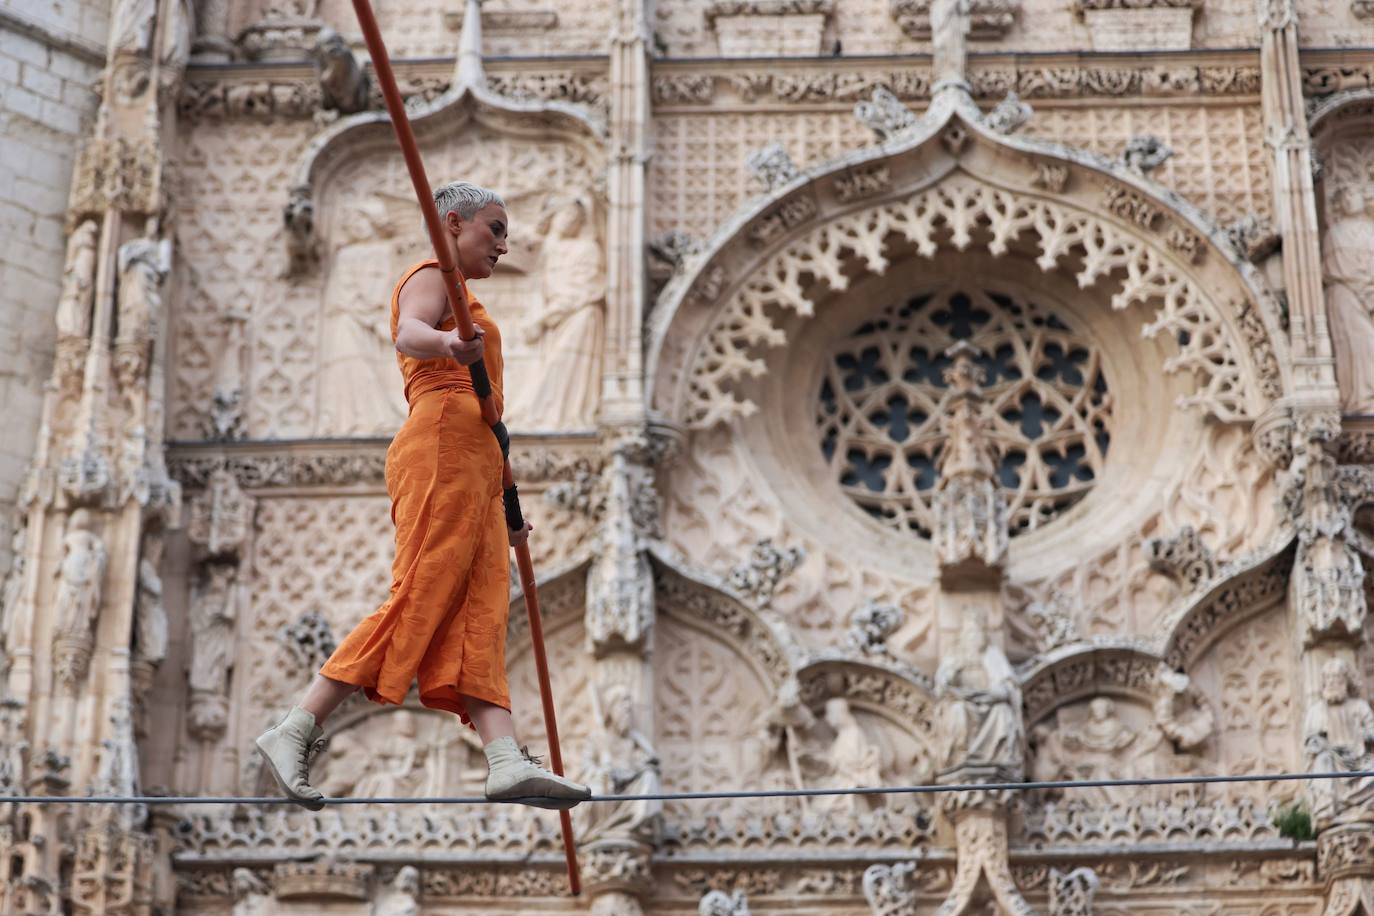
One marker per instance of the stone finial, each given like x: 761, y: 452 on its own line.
x: 885, y: 115
x: 1009, y: 116
x: 772, y: 167
x: 767, y: 566
x: 1183, y: 557
x: 970, y: 536
x: 870, y: 625
x: 1145, y: 153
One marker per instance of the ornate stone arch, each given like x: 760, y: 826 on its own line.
x: 956, y: 184
x: 466, y: 104
x: 1251, y: 589
x: 1078, y: 672
x: 698, y: 599
x: 908, y: 700
x: 351, y: 218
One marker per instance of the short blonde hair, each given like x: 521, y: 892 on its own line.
x: 464, y: 198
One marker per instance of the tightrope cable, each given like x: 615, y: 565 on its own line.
x: 926, y: 789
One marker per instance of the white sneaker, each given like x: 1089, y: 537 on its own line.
x: 288, y: 749
x: 513, y: 775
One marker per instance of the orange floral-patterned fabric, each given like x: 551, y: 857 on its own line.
x: 445, y: 619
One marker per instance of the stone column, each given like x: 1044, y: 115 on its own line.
x: 622, y: 396
x: 1295, y: 208
x: 618, y: 840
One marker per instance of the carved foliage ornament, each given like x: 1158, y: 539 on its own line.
x: 117, y: 174
x: 972, y: 213
x: 1028, y: 81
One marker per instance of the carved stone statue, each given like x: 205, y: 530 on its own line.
x: 150, y: 617
x: 1103, y: 734
x: 78, y: 283
x: 568, y: 330
x: 1327, y: 586
x: 251, y: 896
x: 143, y: 265
x: 80, y: 581
x: 14, y: 753
x: 343, y: 84
x: 1350, y: 297
x: 402, y: 898
x: 117, y: 771
x: 980, y: 705
x: 215, y: 606
x: 949, y: 28
x: 14, y: 588
x: 1338, y: 736
x: 225, y: 422
x: 622, y: 761
x: 359, y: 391
x: 854, y: 760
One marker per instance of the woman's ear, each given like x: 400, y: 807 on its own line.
x: 453, y: 222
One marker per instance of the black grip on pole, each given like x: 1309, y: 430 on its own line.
x: 502, y: 438
x: 514, y: 520
x: 481, y: 382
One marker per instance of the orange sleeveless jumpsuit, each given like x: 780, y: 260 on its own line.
x: 445, y: 620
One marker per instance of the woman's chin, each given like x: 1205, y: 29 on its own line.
x: 478, y: 272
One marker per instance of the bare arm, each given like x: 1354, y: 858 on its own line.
x: 422, y: 305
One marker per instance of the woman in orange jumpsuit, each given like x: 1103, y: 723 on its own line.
x: 445, y: 620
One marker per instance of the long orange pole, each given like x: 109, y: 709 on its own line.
x: 456, y: 288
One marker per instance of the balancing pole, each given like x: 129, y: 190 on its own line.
x: 456, y: 289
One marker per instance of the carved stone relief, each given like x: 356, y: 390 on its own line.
x: 1256, y: 712
x: 386, y: 753
x: 548, y: 294
x: 1349, y: 230
x: 234, y: 179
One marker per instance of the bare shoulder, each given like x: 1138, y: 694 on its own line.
x: 423, y: 297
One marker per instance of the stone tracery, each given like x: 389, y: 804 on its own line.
x: 883, y: 394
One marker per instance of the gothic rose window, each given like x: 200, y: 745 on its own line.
x: 883, y: 391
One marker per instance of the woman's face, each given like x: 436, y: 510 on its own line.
x: 481, y: 241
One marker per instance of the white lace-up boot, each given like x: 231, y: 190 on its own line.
x: 514, y: 775
x: 288, y: 749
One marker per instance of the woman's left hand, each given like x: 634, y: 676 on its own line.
x: 519, y: 537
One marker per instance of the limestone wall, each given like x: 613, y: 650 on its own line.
x: 50, y: 56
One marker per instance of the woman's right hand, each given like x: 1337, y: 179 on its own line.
x: 466, y: 352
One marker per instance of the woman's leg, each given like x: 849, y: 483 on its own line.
x: 324, y: 695
x: 490, y: 720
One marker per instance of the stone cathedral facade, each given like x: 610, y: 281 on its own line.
x: 903, y: 391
